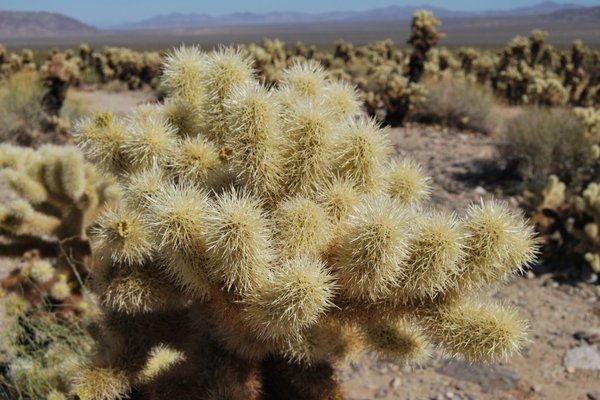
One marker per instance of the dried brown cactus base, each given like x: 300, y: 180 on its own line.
x: 219, y: 375
x: 282, y: 380
x: 207, y: 371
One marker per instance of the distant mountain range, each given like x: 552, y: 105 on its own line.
x: 23, y: 25
x: 391, y: 13
x: 17, y: 24
x: 579, y: 15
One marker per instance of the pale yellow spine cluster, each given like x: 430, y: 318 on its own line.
x: 275, y: 222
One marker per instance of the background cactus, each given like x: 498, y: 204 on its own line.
x: 58, y: 74
x: 526, y: 71
x: 424, y: 36
x: 57, y: 197
x: 568, y: 224
x: 567, y: 216
x: 271, y: 228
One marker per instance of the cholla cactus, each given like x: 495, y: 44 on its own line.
x: 553, y: 193
x: 424, y: 36
x: 28, y: 60
x: 569, y: 225
x: 133, y: 68
x: 58, y: 196
x: 589, y: 203
x: 536, y: 40
x: 59, y: 193
x: 265, y: 233
x: 590, y: 118
x: 58, y: 74
x: 447, y: 60
x: 390, y: 96
x: 467, y: 56
x: 546, y: 91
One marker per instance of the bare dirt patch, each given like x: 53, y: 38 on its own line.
x: 110, y: 101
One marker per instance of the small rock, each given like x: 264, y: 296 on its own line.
x: 536, y: 388
x: 570, y: 370
x: 589, y: 336
x: 530, y: 275
x: 381, y: 393
x: 480, y: 191
x: 585, y: 357
x: 407, y: 369
x: 383, y: 370
x: 490, y: 379
x: 449, y: 395
x: 395, y: 383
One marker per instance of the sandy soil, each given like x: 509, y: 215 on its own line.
x: 112, y: 101
x: 560, y: 315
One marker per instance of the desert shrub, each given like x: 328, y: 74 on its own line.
x: 41, y: 354
x: 460, y: 104
x: 116, y: 86
x: 541, y: 142
x: 74, y: 108
x: 25, y: 102
x: 21, y: 104
x: 44, y: 330
x: 90, y: 77
x: 265, y: 234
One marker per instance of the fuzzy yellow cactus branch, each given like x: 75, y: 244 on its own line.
x: 267, y: 232
x: 60, y: 194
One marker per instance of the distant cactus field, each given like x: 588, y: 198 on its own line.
x: 525, y: 71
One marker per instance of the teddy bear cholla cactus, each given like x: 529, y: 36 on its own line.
x: 265, y: 234
x: 59, y: 194
x: 424, y: 36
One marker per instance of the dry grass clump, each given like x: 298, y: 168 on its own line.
x: 42, y: 355
x: 459, y: 103
x: 21, y: 108
x: 24, y: 118
x: 541, y: 141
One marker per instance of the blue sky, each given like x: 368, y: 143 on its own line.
x: 116, y: 11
